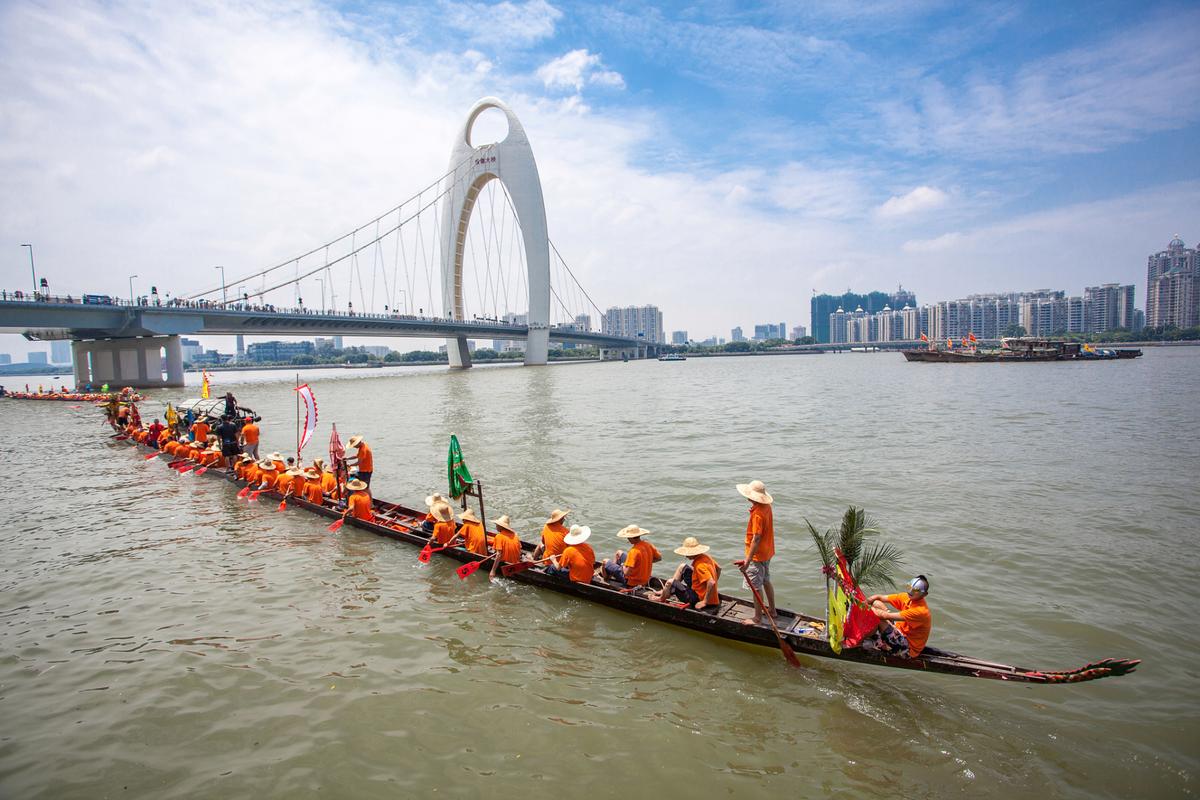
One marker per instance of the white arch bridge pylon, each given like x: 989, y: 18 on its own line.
x: 415, y: 256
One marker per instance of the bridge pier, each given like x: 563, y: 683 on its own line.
x: 129, y: 362
x: 458, y: 353
x: 537, y: 346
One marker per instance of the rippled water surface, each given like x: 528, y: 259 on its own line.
x: 160, y: 638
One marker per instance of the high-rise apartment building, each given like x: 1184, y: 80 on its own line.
x: 770, y: 331
x: 583, y: 322
x: 60, y: 352
x: 825, y: 305
x: 1107, y: 308
x: 1173, y: 286
x: 644, y: 322
x: 679, y: 337
x: 736, y: 335
x: 798, y: 332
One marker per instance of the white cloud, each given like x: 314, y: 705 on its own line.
x: 922, y: 198
x: 575, y: 69
x: 507, y: 24
x: 938, y: 244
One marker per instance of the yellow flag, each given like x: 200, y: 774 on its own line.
x: 204, y: 386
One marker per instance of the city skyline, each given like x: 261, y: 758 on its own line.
x: 816, y: 147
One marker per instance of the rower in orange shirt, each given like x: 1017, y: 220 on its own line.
x: 577, y: 561
x: 760, y: 546
x: 276, y: 459
x: 252, y: 473
x: 359, y: 503
x: 694, y: 583
x: 283, y: 481
x: 474, y: 537
x: 444, y: 531
x: 267, y: 475
x: 363, y: 458
x: 200, y: 430
x: 633, y: 568
x: 312, y: 487
x: 164, y: 436
x: 506, y: 544
x: 552, y: 535
x: 429, y: 520
x: 913, y: 622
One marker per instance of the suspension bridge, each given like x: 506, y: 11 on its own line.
x: 468, y: 257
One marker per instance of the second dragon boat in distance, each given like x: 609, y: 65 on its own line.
x: 1023, y: 349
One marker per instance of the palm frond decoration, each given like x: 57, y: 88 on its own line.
x: 872, y: 565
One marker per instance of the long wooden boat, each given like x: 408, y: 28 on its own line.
x: 805, y: 634
x: 1019, y: 350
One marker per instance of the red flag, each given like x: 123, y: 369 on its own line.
x: 964, y: 341
x: 924, y: 338
x: 950, y: 343
x: 336, y: 451
x: 860, y: 621
x: 971, y: 336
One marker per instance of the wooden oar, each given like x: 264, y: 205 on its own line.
x: 186, y: 468
x: 513, y: 569
x: 244, y: 492
x: 466, y: 570
x: 788, y: 653
x: 283, y: 502
x: 339, y: 523
x: 152, y: 455
x: 254, y: 495
x: 201, y: 470
x: 428, y: 550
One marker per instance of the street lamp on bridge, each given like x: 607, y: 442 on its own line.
x: 131, y: 277
x: 31, y: 269
x: 223, y: 300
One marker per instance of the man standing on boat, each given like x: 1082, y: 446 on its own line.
x: 249, y: 437
x: 363, y: 458
x: 760, y: 546
x: 913, y: 622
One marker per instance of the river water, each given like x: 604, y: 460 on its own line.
x: 160, y: 638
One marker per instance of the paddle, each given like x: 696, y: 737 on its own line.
x: 788, y: 653
x: 152, y: 455
x: 186, y: 468
x: 122, y: 437
x: 254, y: 495
x: 283, y: 502
x: 244, y: 492
x: 428, y: 550
x: 467, y: 570
x: 201, y: 470
x: 513, y: 569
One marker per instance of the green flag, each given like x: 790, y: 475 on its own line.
x: 456, y: 471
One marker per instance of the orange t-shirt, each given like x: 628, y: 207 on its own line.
x: 312, y: 491
x: 508, y: 545
x: 581, y: 560
x: 705, y: 569
x: 915, y: 621
x: 639, y: 562
x: 298, y: 484
x: 552, y: 538
x: 252, y: 474
x: 476, y: 539
x: 360, y: 506
x: 366, y: 461
x: 329, y: 484
x: 279, y: 465
x: 761, y: 522
x: 200, y: 431
x: 250, y: 433
x: 163, y: 435
x: 169, y: 448
x: 444, y: 532
x: 267, y: 476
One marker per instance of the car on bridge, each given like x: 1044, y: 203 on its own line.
x: 97, y: 300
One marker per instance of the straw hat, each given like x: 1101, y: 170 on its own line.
x: 356, y: 485
x: 557, y: 515
x: 355, y: 441
x: 433, y: 500
x: 754, y: 490
x: 312, y: 474
x: 276, y: 456
x: 443, y: 512
x: 468, y: 516
x: 266, y: 464
x: 691, y: 547
x: 504, y: 523
x: 578, y: 534
x: 632, y: 532
x: 244, y: 457
x: 294, y: 471
x: 319, y: 464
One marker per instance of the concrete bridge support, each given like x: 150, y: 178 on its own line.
x: 129, y: 362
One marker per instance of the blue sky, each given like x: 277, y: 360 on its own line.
x: 721, y: 160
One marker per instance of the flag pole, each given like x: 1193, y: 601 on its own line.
x: 297, y: 390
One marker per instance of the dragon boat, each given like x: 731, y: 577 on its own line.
x: 804, y: 634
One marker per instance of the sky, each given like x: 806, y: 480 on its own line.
x: 720, y: 160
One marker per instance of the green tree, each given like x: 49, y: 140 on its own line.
x: 874, y: 566
x: 738, y: 347
x: 806, y: 340
x: 304, y: 360
x: 1014, y: 330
